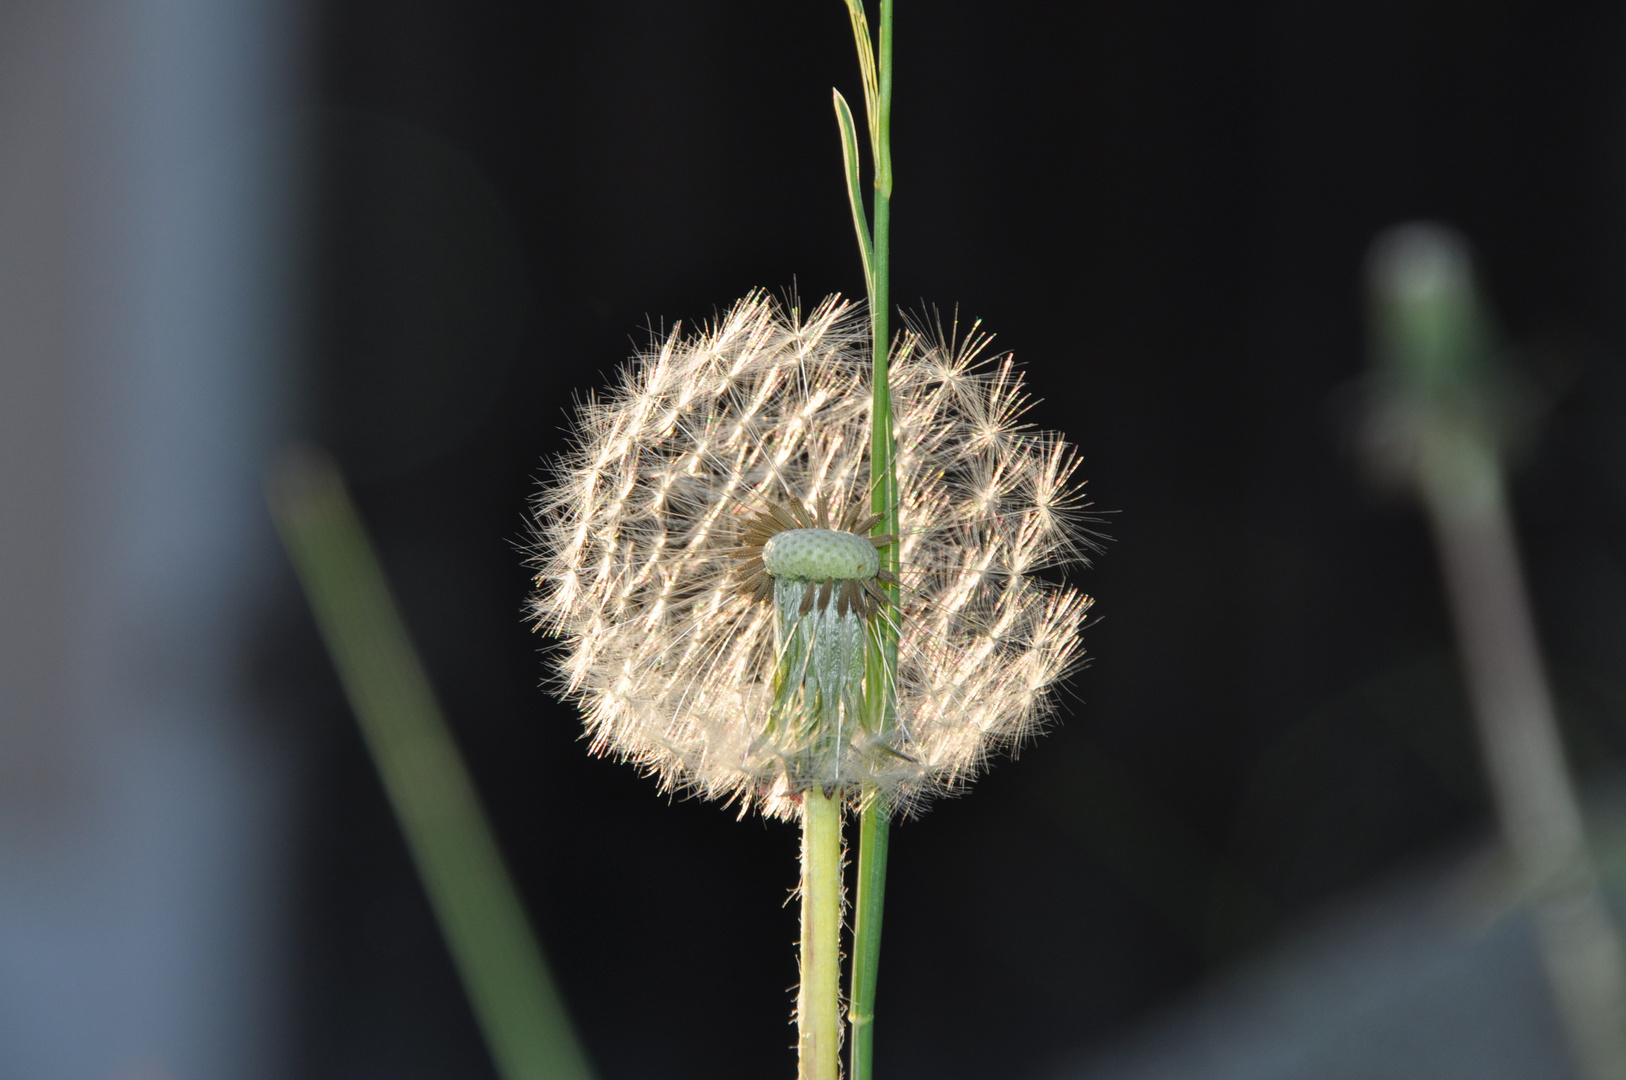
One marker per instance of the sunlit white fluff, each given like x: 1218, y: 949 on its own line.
x: 637, y: 540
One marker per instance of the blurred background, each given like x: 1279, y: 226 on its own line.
x: 1257, y: 842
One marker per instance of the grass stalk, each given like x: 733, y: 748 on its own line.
x: 875, y: 65
x: 873, y: 835
x: 515, y: 1002
x: 818, y: 1002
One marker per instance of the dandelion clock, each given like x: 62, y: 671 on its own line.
x: 706, y: 557
x: 805, y: 567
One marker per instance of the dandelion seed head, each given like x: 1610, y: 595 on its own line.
x: 714, y: 511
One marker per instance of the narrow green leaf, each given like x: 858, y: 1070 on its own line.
x: 855, y: 190
x: 514, y: 999
x: 866, y: 67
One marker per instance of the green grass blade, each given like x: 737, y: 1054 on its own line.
x: 882, y: 659
x: 873, y: 836
x: 855, y: 190
x: 866, y: 65
x: 502, y: 968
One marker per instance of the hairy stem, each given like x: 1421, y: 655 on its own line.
x: 818, y: 1002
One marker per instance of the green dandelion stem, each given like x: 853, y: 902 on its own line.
x: 818, y: 1004
x: 514, y: 999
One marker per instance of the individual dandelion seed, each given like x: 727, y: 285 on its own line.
x: 700, y: 555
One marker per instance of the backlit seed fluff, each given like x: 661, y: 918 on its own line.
x: 649, y: 541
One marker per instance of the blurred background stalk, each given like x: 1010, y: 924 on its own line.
x: 519, y: 1010
x: 1441, y: 422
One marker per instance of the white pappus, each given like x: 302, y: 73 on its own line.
x: 724, y: 477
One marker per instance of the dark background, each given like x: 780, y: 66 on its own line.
x: 1162, y: 208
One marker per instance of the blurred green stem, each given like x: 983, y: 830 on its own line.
x: 504, y: 974
x: 1441, y: 426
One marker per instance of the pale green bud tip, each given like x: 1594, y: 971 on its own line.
x: 819, y: 555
